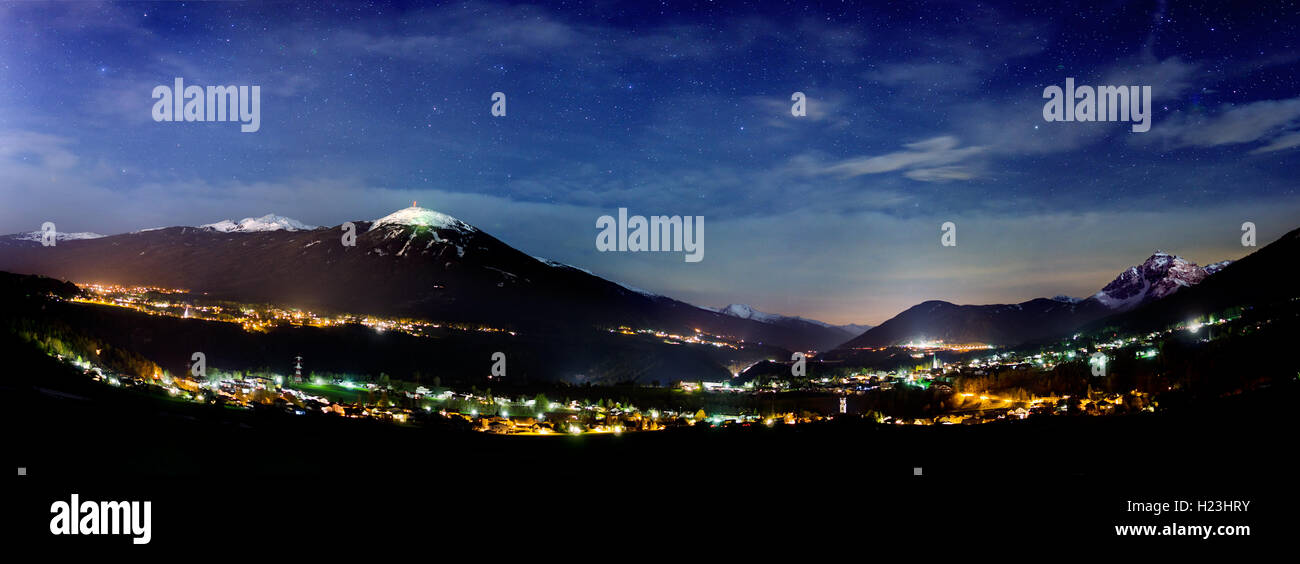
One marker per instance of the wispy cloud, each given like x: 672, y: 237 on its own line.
x: 931, y: 160
x: 1281, y: 142
x: 1274, y: 121
x: 826, y: 109
x: 1168, y: 78
x: 964, y: 57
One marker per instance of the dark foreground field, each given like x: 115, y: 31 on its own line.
x: 217, y: 475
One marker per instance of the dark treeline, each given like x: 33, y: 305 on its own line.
x: 1241, y: 358
x: 26, y: 312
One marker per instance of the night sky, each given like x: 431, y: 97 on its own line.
x: 918, y: 113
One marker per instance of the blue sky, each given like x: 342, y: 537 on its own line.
x: 919, y: 113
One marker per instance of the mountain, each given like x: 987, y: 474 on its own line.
x: 415, y: 262
x: 1265, y: 278
x: 829, y: 335
x: 1217, y: 266
x: 1000, y: 324
x: 58, y: 236
x: 268, y: 222
x: 1157, y: 278
x: 855, y: 329
x: 745, y: 312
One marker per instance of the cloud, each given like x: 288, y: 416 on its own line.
x: 1168, y: 78
x: 1266, y: 120
x: 924, y: 160
x: 824, y: 108
x: 33, y: 150
x: 963, y: 57
x: 940, y: 174
x: 1281, y: 142
x: 943, y: 75
x: 453, y: 35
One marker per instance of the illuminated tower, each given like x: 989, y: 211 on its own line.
x: 297, y: 369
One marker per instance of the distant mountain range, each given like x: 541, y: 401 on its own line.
x: 1159, y: 277
x: 38, y: 236
x: 268, y: 222
x: 415, y: 262
x: 831, y: 332
x: 423, y: 263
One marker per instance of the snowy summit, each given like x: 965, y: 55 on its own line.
x: 743, y: 311
x: 268, y: 222
x: 58, y: 236
x: 1161, y: 275
x: 422, y: 217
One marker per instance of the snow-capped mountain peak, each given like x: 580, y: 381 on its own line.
x: 1217, y: 266
x: 422, y: 217
x: 1159, y: 276
x: 745, y: 312
x: 268, y: 222
x: 58, y: 236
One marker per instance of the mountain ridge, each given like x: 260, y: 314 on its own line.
x: 414, y: 262
x: 1156, y: 278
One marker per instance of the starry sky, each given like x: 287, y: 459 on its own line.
x: 919, y: 113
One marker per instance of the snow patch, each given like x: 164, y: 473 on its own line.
x: 1215, y: 267
x: 558, y: 264
x: 643, y: 292
x: 744, y: 311
x: 421, y: 217
x: 58, y: 236
x: 1161, y: 275
x: 268, y: 222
